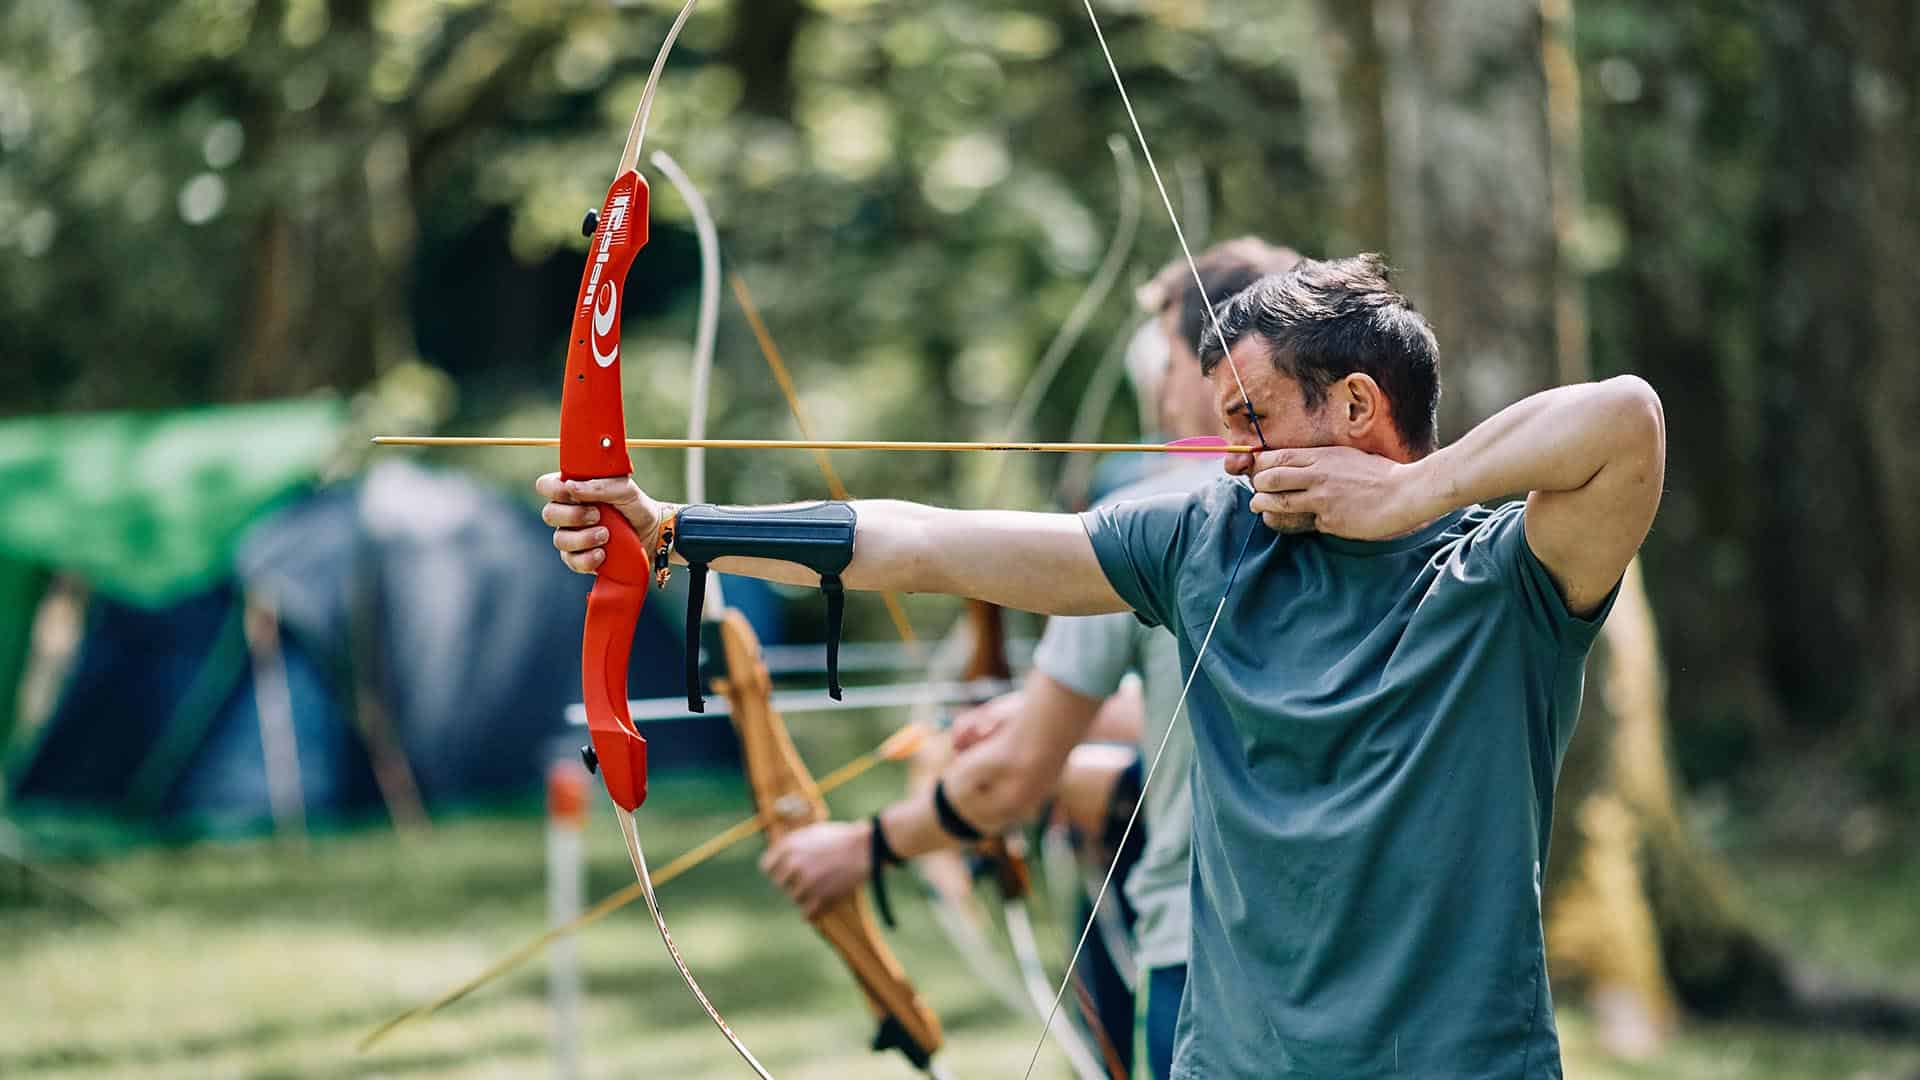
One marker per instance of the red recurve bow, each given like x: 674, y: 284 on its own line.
x: 593, y: 446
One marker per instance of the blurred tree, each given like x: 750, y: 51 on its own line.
x: 1755, y: 170
x: 1478, y: 106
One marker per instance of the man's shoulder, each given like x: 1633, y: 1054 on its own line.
x: 1144, y: 540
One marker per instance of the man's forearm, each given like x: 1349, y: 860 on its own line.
x: 1030, y: 561
x: 1554, y: 441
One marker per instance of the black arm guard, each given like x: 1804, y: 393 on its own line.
x: 818, y: 536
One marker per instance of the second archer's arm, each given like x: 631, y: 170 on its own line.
x: 992, y: 785
x: 1034, y: 562
x: 1004, y: 778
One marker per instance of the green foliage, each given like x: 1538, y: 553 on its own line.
x: 915, y: 192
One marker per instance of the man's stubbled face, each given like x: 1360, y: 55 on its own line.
x: 1272, y: 413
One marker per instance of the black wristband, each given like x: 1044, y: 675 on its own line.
x: 950, y: 820
x: 880, y: 855
x: 883, y: 853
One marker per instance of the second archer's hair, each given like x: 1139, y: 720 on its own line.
x: 1225, y: 269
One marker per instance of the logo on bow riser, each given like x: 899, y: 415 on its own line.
x: 603, y: 297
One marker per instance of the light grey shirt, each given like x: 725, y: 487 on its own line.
x: 1091, y: 655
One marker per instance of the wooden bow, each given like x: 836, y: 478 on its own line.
x: 787, y: 798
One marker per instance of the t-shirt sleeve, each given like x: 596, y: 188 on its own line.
x: 1090, y: 654
x: 1538, y: 595
x: 1140, y: 544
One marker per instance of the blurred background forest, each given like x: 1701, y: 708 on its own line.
x: 373, y: 207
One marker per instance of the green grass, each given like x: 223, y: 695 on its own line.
x: 250, y: 959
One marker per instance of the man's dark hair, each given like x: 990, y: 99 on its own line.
x: 1322, y: 321
x: 1225, y: 269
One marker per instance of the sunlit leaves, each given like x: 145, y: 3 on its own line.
x: 850, y: 134
x: 962, y: 168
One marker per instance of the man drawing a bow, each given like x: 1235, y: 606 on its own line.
x: 1384, y: 673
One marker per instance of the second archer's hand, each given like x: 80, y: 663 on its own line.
x: 819, y: 864
x: 983, y: 721
x: 573, y: 509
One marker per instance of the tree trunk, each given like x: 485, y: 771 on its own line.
x: 1471, y: 215
x: 1888, y: 99
x: 1344, y: 79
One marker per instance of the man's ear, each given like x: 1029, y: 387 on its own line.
x: 1362, y: 406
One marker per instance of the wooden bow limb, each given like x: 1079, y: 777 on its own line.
x: 786, y: 794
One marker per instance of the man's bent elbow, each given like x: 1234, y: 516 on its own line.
x: 1635, y: 428
x: 1635, y: 414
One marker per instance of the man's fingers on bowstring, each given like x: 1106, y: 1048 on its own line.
x: 1285, y: 473
x: 1286, y: 502
x: 1291, y: 458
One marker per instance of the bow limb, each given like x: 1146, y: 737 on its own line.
x: 703, y: 338
x: 1119, y: 249
x: 785, y: 794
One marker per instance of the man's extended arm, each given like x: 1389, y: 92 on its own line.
x: 1029, y: 561
x: 1591, y: 457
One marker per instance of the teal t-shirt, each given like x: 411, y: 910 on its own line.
x: 1377, y: 729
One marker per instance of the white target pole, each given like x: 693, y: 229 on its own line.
x: 567, y: 785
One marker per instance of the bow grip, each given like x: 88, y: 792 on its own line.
x: 613, y: 610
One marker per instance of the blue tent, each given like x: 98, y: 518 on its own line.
x: 412, y: 627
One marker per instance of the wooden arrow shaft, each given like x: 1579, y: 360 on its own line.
x: 831, y: 444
